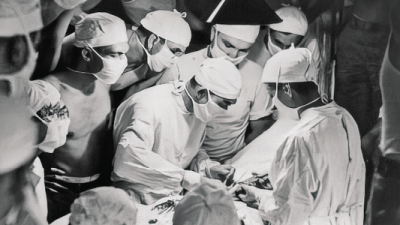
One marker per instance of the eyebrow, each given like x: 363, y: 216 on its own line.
x: 231, y: 45
x: 175, y: 50
x: 279, y: 42
x: 228, y: 102
x: 108, y: 51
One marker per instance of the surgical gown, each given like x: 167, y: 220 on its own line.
x: 225, y: 133
x: 156, y: 139
x: 318, y: 173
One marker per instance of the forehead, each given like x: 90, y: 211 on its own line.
x: 173, y: 45
x: 270, y: 86
x: 284, y: 37
x: 221, y: 99
x: 122, y: 47
x: 237, y: 43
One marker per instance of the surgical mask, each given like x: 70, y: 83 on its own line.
x: 285, y: 112
x: 216, y: 52
x: 57, y: 122
x: 30, y: 65
x: 112, y: 68
x: 69, y: 4
x: 272, y: 48
x: 56, y: 135
x: 161, y: 60
x: 205, y: 112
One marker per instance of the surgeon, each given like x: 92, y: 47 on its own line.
x: 291, y: 31
x: 21, y: 22
x: 102, y: 205
x: 57, y: 15
x: 318, y: 172
x: 18, y: 54
x: 93, y: 62
x: 226, y: 133
x: 155, y: 45
x: 20, y: 134
x: 208, y: 203
x: 158, y: 131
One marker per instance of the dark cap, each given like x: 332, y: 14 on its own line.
x: 233, y: 12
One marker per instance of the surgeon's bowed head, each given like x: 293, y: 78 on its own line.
x: 169, y: 37
x: 100, y: 43
x: 214, y: 88
x: 20, y: 22
x: 209, y: 203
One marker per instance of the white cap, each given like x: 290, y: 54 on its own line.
x: 19, y: 134
x: 290, y: 66
x: 100, y: 29
x: 103, y: 205
x: 294, y: 21
x: 221, y: 77
x: 69, y: 4
x: 209, y: 203
x: 168, y: 25
x: 19, y: 17
x: 247, y: 33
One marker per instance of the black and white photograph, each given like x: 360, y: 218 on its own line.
x: 199, y: 112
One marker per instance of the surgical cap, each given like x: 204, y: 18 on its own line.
x: 168, y: 25
x: 103, y: 205
x: 100, y: 29
x: 69, y: 4
x: 290, y: 66
x: 19, y: 134
x: 247, y: 33
x: 19, y: 17
x: 294, y: 21
x: 221, y: 77
x: 206, y: 204
x: 138, y: 9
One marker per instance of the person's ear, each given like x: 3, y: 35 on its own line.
x: 91, y: 62
x: 267, y: 34
x: 213, y: 32
x: 86, y: 54
x: 201, y: 94
x: 288, y: 90
x: 152, y: 42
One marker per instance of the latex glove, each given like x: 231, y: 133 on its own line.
x: 224, y: 173
x: 251, y: 195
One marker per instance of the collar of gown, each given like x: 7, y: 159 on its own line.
x: 316, y: 103
x: 177, y: 94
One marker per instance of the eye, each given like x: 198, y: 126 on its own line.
x: 115, y: 55
x: 244, y: 50
x: 227, y: 44
x: 176, y: 51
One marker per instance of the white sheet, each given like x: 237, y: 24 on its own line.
x: 258, y: 155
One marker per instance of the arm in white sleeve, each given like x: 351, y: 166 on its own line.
x: 202, y: 163
x: 260, y: 114
x: 45, y: 101
x: 170, y: 74
x: 136, y: 163
x: 262, y: 105
x: 36, y: 94
x: 293, y: 188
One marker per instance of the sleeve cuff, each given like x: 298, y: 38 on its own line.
x: 190, y: 180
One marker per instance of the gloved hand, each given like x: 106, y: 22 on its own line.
x: 224, y: 173
x: 250, y: 195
